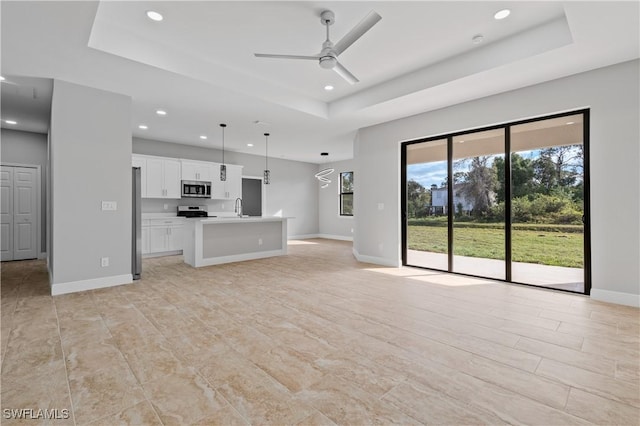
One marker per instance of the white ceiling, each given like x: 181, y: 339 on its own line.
x: 198, y: 63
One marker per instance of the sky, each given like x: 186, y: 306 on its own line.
x: 427, y: 174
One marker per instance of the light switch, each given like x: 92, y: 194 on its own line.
x: 380, y: 206
x: 109, y: 205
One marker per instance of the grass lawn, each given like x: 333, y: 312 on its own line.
x: 530, y: 246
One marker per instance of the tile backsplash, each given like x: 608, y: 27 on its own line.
x: 160, y: 205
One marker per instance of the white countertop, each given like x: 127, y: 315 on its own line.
x: 241, y: 219
x: 160, y: 216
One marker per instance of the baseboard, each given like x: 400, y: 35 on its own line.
x: 620, y: 298
x: 161, y: 254
x: 239, y: 257
x: 42, y: 255
x: 326, y: 236
x: 375, y: 260
x: 335, y: 237
x: 92, y: 284
x: 303, y: 237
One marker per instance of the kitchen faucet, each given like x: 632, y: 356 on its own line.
x: 239, y: 207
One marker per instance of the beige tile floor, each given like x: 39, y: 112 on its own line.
x: 314, y: 338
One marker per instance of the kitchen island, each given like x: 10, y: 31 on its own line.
x: 213, y: 241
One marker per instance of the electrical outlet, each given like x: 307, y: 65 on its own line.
x: 109, y: 205
x: 259, y: 241
x: 104, y: 261
x: 166, y: 206
x: 380, y: 206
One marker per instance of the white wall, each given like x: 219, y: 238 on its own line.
x: 612, y: 94
x: 29, y: 148
x: 331, y: 224
x: 293, y: 191
x: 90, y: 154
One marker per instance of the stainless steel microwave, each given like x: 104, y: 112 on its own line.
x: 196, y: 189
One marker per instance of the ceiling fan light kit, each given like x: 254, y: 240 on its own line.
x: 328, y: 56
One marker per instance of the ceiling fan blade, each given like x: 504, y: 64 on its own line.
x: 344, y: 73
x: 358, y: 31
x: 267, y: 55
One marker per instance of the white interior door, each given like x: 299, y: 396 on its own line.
x: 6, y: 212
x: 24, y: 213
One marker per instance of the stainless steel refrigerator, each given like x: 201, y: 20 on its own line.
x: 136, y: 234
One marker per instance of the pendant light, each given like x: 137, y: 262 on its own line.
x: 322, y: 177
x: 223, y: 167
x: 267, y: 173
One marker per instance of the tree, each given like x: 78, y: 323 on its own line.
x: 558, y: 167
x: 478, y: 183
x: 418, y: 199
x: 522, y: 173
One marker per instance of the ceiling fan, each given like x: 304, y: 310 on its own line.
x: 328, y: 56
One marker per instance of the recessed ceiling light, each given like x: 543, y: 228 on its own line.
x: 203, y: 137
x: 249, y: 144
x: 161, y: 112
x: 10, y: 122
x: 328, y: 87
x: 477, y: 39
x: 570, y: 122
x: 154, y: 16
x: 143, y: 127
x: 1, y: 78
x: 501, y: 14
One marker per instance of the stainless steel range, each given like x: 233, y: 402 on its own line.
x: 193, y: 211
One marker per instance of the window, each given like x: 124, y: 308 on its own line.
x: 508, y: 202
x: 346, y: 194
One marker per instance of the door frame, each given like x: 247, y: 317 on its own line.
x: 39, y: 253
x: 507, y: 126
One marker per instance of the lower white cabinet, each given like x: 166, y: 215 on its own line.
x: 145, y: 237
x: 162, y: 235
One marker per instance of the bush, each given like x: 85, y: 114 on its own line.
x: 541, y: 208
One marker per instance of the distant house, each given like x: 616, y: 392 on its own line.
x: 440, y: 200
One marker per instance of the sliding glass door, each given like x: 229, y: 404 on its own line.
x: 427, y: 232
x: 478, y: 227
x: 508, y: 202
x: 547, y: 203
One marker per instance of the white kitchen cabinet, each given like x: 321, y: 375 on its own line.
x: 174, y: 240
x: 163, y: 178
x: 229, y: 189
x: 196, y: 170
x: 163, y: 235
x: 145, y: 240
x: 138, y: 161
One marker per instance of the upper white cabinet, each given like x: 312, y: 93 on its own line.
x: 163, y: 177
x: 196, y: 170
x: 138, y: 161
x: 229, y: 189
